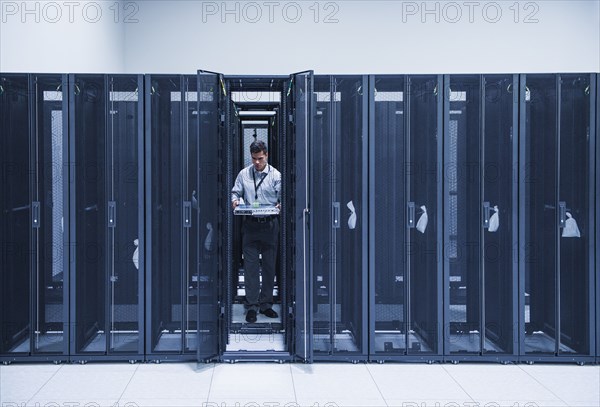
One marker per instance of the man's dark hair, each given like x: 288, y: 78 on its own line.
x: 258, y: 147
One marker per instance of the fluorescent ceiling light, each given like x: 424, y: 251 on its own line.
x: 251, y: 96
x: 259, y: 113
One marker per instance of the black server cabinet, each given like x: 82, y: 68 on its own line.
x: 211, y: 198
x: 597, y: 234
x: 35, y: 223
x: 405, y: 193
x: 107, y: 228
x: 340, y: 218
x: 557, y: 201
x: 480, y: 222
x: 172, y: 204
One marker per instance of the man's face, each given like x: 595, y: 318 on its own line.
x: 259, y: 160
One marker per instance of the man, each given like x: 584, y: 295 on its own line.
x: 259, y: 184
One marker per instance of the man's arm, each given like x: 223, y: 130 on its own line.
x: 237, y: 191
x: 277, y: 185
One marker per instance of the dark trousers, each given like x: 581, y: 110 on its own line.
x: 260, y: 238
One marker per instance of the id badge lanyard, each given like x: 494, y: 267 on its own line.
x: 255, y: 203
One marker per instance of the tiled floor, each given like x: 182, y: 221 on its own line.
x: 315, y: 385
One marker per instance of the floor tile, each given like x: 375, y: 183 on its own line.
x: 416, y: 382
x: 518, y: 403
x: 170, y: 380
x: 575, y: 385
x: 161, y: 402
x: 175, y: 367
x: 405, y: 402
x: 257, y: 401
x: 93, y: 382
x: 251, y: 380
x: 499, y: 383
x: 20, y: 382
x: 71, y: 402
x: 330, y: 402
x: 92, y: 368
x: 581, y: 404
x: 330, y: 382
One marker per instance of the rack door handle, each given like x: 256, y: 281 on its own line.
x: 112, y: 214
x: 35, y: 214
x: 410, y: 215
x: 335, y: 208
x: 562, y: 214
x: 187, y: 214
x: 486, y: 215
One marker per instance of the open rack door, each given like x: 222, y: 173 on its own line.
x: 302, y: 112
x: 208, y: 206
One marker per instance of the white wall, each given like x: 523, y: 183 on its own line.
x: 160, y: 36
x: 368, y: 37
x: 60, y: 36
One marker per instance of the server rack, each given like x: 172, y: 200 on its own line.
x: 35, y: 222
x: 405, y: 198
x: 172, y: 215
x: 340, y: 258
x: 557, y: 199
x: 303, y: 109
x: 287, y: 239
x: 107, y: 228
x: 254, y: 112
x: 480, y: 217
x: 597, y: 234
x: 288, y: 102
x: 324, y: 247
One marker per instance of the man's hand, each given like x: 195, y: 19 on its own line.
x: 235, y: 203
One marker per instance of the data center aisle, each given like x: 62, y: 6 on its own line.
x: 320, y: 384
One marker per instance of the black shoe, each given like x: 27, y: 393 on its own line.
x: 251, y: 316
x: 269, y: 313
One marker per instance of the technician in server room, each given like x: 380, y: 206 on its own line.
x: 259, y: 184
